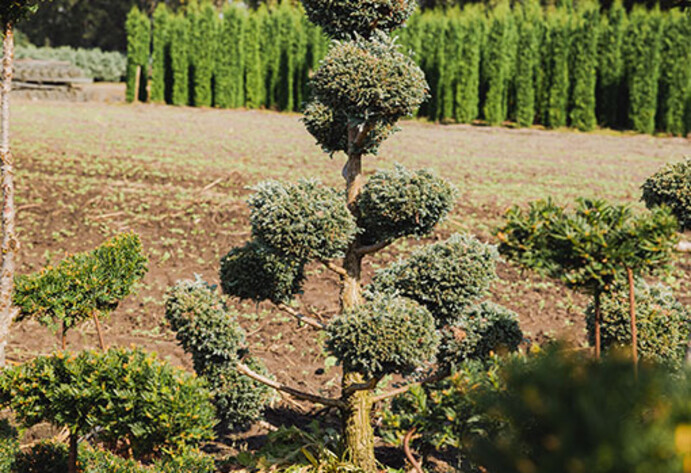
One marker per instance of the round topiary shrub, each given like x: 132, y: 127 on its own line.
x: 445, y: 277
x: 208, y: 331
x: 330, y: 129
x: 257, y: 272
x: 369, y: 80
x: 342, y: 18
x: 671, y: 186
x: 44, y: 457
x: 663, y: 323
x: 400, y: 203
x: 388, y: 334
x: 481, y: 330
x: 304, y: 221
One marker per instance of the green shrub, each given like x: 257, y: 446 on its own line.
x: 43, y: 457
x: 448, y: 414
x: 342, y: 18
x: 675, y: 78
x: 129, y: 394
x: 584, y: 69
x: 671, y: 186
x: 138, y: 45
x: 444, y: 277
x: 209, y: 331
x: 161, y: 73
x: 256, y: 272
x: 480, y: 331
x: 402, y: 203
x: 663, y: 323
x: 642, y: 54
x: 180, y: 61
x: 567, y: 413
x: 83, y: 285
x: 9, y: 446
x: 385, y: 335
x: 185, y: 460
x: 306, y: 220
x: 103, y: 461
x: 100, y: 65
x: 378, y: 83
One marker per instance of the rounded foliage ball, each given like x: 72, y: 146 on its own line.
x: 369, y: 80
x: 303, y: 221
x: 671, y: 186
x: 663, y: 323
x: 445, y: 277
x: 481, y: 330
x: 203, y: 325
x: 256, y: 272
x: 330, y: 129
x: 400, y: 203
x: 388, y: 334
x: 342, y: 18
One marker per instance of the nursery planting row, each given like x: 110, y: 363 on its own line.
x: 579, y: 67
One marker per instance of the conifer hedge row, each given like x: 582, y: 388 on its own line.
x: 566, y: 66
x: 230, y: 58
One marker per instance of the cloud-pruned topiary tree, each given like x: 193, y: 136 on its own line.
x: 361, y: 89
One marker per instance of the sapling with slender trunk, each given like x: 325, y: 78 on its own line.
x: 11, y: 12
x: 404, y: 319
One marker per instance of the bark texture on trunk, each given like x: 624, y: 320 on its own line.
x: 72, y: 459
x: 9, y: 240
x: 357, y: 424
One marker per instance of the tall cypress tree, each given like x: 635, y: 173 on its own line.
x: 529, y: 18
x: 584, y: 66
x: 496, y: 63
x: 179, y: 54
x: 468, y: 85
x: 612, y: 100
x: 203, y: 48
x: 559, y: 40
x: 138, y: 46
x: 161, y: 68
x: 642, y: 49
x: 254, y: 77
x: 452, y: 46
x: 230, y: 63
x: 675, y: 79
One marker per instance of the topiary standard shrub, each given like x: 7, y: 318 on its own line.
x: 208, y: 331
x: 83, y: 285
x: 402, y: 203
x: 135, y: 400
x: 444, y: 277
x: 671, y: 186
x: 385, y: 335
x: 663, y: 323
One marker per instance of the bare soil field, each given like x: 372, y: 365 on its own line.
x: 179, y: 177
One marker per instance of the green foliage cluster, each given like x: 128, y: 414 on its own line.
x: 138, y: 46
x: 234, y: 57
x: 12, y: 11
x: 341, y: 19
x: 306, y: 220
x: 481, y: 330
x: 82, y: 285
x: 377, y: 85
x: 445, y: 277
x: 447, y: 414
x: 209, y: 331
x: 400, y: 203
x: 99, y: 65
x: 663, y: 323
x: 385, y: 335
x: 589, y: 246
x: 568, y: 413
x: 671, y: 186
x: 129, y: 394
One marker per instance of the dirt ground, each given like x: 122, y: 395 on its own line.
x: 179, y: 177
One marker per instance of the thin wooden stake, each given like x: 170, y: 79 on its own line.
x: 632, y: 314
x: 598, y: 320
x: 100, y: 333
x: 64, y: 336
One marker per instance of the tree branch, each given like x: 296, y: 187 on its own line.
x: 334, y: 267
x: 369, y: 249
x: 371, y: 384
x: 302, y: 318
x: 244, y: 369
x: 407, y: 387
